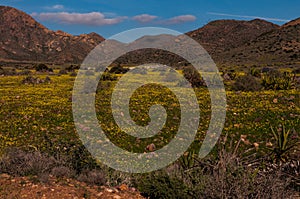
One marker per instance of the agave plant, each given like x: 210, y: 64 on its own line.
x: 283, y: 143
x: 187, y: 160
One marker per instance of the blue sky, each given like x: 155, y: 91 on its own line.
x: 109, y: 17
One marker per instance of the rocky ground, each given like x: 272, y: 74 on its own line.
x: 54, y: 188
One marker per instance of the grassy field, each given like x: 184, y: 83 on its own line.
x: 39, y: 117
x: 29, y: 113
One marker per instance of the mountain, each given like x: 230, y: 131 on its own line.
x: 292, y: 23
x: 281, y: 46
x: 227, y: 41
x: 24, y: 39
x: 223, y: 35
x: 217, y: 37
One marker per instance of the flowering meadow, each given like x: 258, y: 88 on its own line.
x: 37, y: 115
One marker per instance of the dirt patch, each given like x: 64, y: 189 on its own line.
x: 29, y: 187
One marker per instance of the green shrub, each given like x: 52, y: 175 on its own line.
x: 229, y: 75
x: 297, y: 82
x: 160, y: 185
x: 43, y: 68
x: 246, y: 83
x: 8, y: 72
x: 231, y: 174
x: 92, y: 177
x: 108, y: 77
x: 275, y: 80
x: 255, y: 72
x: 118, y: 69
x: 284, y: 143
x: 19, y: 163
x: 61, y: 171
x: 35, y: 80
x: 25, y: 72
x: 62, y: 72
x: 73, y: 74
x: 187, y: 160
x: 296, y: 71
x: 72, y: 68
x: 193, y: 76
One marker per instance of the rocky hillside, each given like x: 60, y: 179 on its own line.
x: 223, y: 35
x: 281, y: 45
x: 217, y: 37
x: 24, y: 39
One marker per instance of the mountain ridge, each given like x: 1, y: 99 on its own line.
x: 239, y: 42
x: 280, y: 45
x: 222, y: 35
x: 24, y: 39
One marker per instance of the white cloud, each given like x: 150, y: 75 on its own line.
x: 55, y: 7
x: 58, y: 7
x: 179, y: 19
x: 92, y: 18
x: 144, y: 18
x: 248, y: 17
x: 100, y: 19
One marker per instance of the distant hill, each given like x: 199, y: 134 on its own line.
x: 217, y: 37
x: 24, y: 39
x: 223, y: 35
x: 281, y: 45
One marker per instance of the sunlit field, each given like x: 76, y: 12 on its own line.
x: 31, y: 113
x: 38, y: 117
